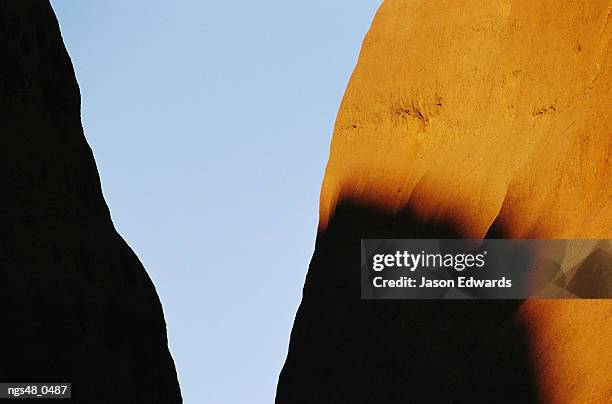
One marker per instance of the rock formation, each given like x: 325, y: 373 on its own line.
x: 463, y: 118
x: 76, y: 304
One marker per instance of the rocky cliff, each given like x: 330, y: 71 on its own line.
x: 463, y: 118
x: 76, y: 304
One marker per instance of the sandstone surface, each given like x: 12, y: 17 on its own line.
x: 463, y: 118
x: 76, y: 305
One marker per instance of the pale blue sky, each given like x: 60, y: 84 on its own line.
x: 210, y: 122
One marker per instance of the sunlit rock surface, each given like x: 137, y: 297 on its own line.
x: 463, y: 118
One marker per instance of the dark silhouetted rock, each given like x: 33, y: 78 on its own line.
x: 76, y: 304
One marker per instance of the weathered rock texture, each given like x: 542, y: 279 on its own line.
x: 463, y: 118
x: 75, y: 303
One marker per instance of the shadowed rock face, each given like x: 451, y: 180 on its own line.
x: 75, y: 303
x: 464, y: 118
x: 347, y: 350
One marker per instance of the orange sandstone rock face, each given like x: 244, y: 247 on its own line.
x: 492, y: 117
x: 483, y: 112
